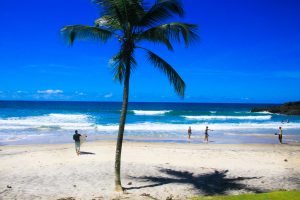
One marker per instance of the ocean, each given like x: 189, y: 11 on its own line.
x: 40, y: 122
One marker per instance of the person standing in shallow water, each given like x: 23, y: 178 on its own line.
x: 76, y: 138
x: 206, y: 134
x: 280, y: 135
x: 189, y: 133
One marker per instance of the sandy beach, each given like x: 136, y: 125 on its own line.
x: 149, y: 170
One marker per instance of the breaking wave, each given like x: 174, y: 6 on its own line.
x: 151, y: 112
x: 50, y: 121
x: 267, y: 117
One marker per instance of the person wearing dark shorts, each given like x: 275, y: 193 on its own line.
x: 280, y: 135
x: 189, y: 132
x: 206, y: 134
x: 76, y: 138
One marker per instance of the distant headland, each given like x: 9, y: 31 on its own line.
x: 290, y: 108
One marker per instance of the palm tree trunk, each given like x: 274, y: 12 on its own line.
x: 118, y: 185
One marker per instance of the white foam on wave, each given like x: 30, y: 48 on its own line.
x: 151, y: 112
x: 50, y: 121
x: 239, y: 112
x: 146, y: 129
x: 264, y: 112
x: 84, y: 122
x: 213, y: 112
x: 215, y: 117
x: 68, y: 117
x: 13, y: 138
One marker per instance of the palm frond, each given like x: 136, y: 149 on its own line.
x: 119, y: 63
x: 127, y: 12
x: 108, y: 22
x: 119, y: 72
x: 156, y: 37
x: 172, y: 31
x: 160, y: 11
x: 85, y: 32
x: 174, y: 78
x: 112, y: 8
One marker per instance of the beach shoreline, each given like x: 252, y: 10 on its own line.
x: 149, y: 170
x: 196, y: 138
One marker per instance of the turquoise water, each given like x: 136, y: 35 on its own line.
x: 23, y: 122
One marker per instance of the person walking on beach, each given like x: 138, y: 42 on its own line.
x: 206, y: 134
x: 76, y: 138
x: 280, y: 135
x: 189, y: 133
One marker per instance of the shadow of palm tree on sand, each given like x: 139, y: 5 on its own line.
x: 86, y: 153
x: 215, y: 183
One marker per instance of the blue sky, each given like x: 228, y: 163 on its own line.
x: 249, y: 52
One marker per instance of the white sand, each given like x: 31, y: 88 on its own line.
x: 149, y: 170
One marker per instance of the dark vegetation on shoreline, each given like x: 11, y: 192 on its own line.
x: 290, y: 108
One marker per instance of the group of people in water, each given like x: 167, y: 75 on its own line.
x: 76, y: 137
x: 205, y: 133
x: 207, y: 129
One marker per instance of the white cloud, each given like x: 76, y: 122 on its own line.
x: 20, y: 92
x: 50, y: 92
x: 108, y: 95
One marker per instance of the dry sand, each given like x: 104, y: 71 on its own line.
x: 149, y: 170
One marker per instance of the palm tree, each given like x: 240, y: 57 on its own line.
x: 131, y: 22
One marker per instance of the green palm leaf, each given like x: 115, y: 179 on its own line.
x: 85, y: 32
x: 160, y: 11
x: 172, y: 31
x: 119, y: 64
x: 108, y: 22
x: 156, y: 37
x: 167, y: 69
x: 127, y: 12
